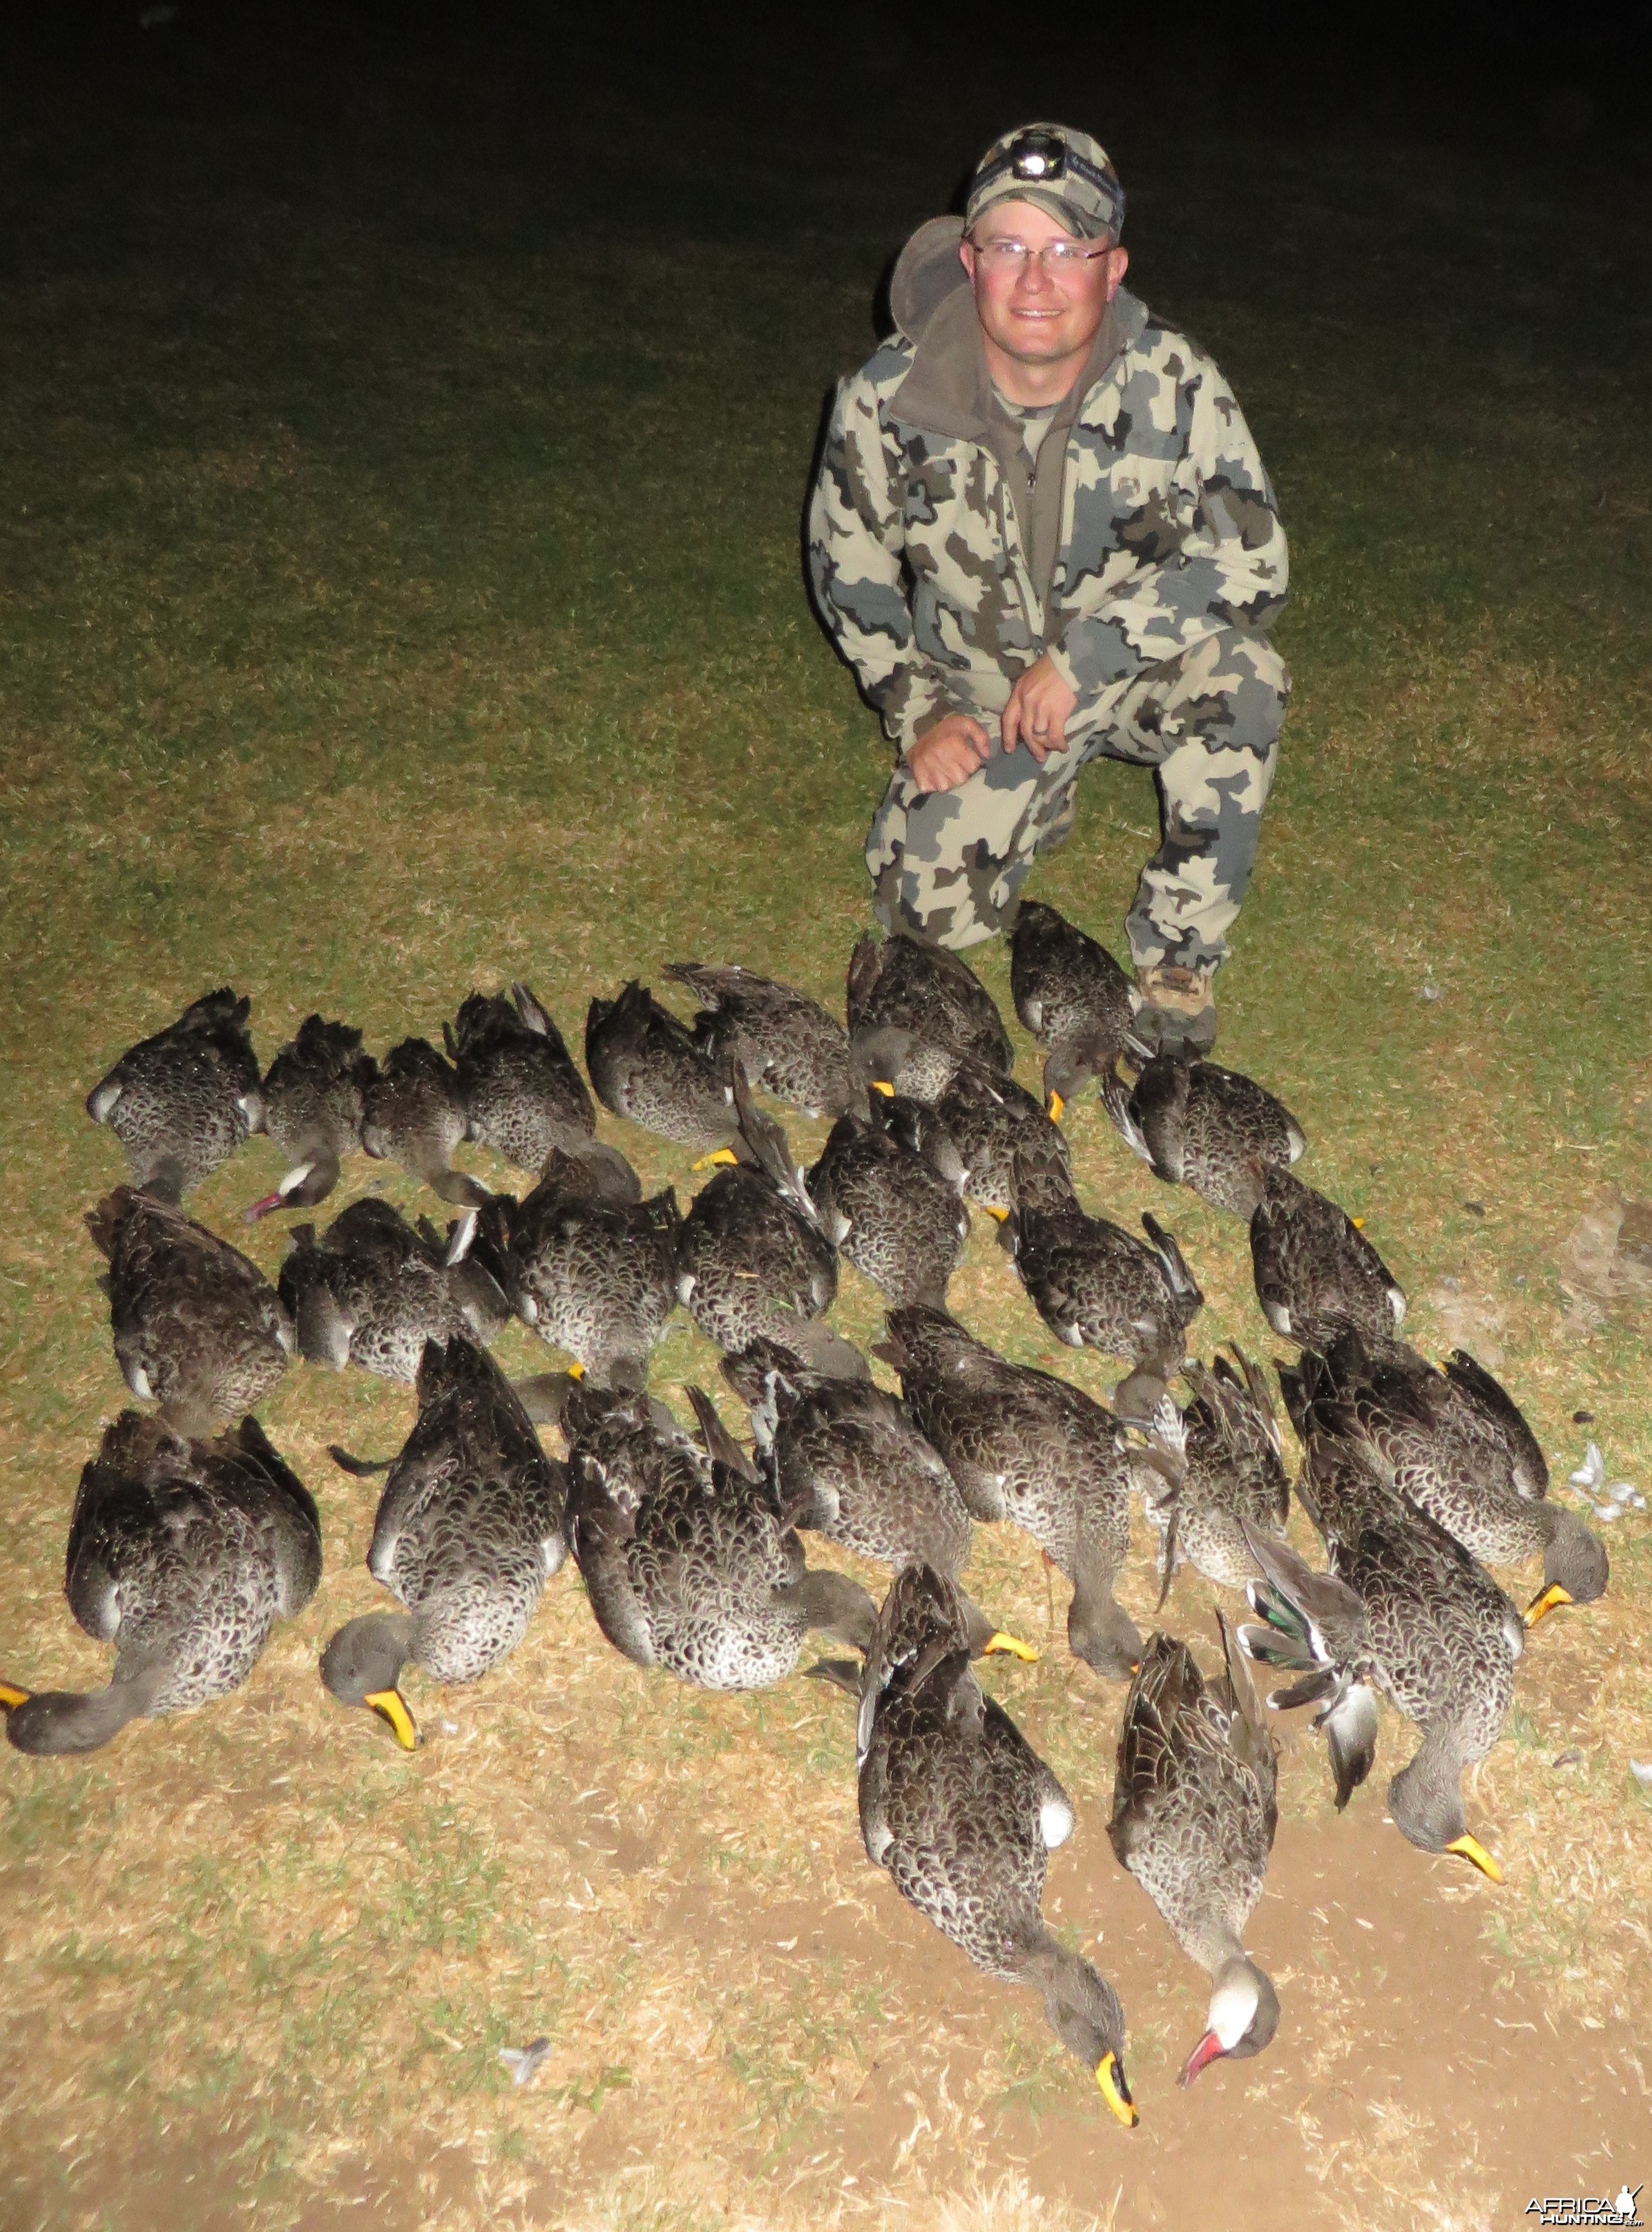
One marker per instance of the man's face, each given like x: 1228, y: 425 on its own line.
x: 1033, y: 315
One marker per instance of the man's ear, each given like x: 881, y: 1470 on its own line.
x: 1117, y: 264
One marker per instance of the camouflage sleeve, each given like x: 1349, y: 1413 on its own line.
x: 1214, y: 557
x: 856, y: 544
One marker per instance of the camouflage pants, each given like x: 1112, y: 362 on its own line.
x: 946, y: 866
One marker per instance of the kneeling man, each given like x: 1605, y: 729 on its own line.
x: 1042, y: 535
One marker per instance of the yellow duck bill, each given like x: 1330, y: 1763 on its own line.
x: 1115, y: 2089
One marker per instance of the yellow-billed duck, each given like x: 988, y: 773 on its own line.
x: 964, y: 1814
x: 198, y: 1327
x: 412, y: 1115
x: 1074, y: 998
x: 372, y: 1290
x: 469, y: 1529
x: 1314, y: 1270
x: 750, y: 1249
x: 184, y: 1554
x: 687, y: 1558
x: 647, y: 1064
x: 1200, y: 1125
x: 182, y: 1102
x: 888, y: 1210
x: 1028, y: 1447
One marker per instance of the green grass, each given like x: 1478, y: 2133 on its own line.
x: 400, y: 503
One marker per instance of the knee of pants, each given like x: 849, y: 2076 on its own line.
x: 954, y: 906
x: 946, y: 865
x: 1264, y: 662
x: 1257, y: 684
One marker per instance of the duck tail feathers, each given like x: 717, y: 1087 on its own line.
x: 103, y: 1221
x: 769, y: 1148
x: 1169, y: 1428
x: 1256, y: 1386
x: 1174, y: 1263
x: 1116, y: 1097
x: 1166, y: 1554
x: 719, y: 1443
x: 612, y: 1175
x: 1162, y: 1468
x: 533, y: 1013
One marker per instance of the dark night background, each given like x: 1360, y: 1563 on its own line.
x: 406, y: 421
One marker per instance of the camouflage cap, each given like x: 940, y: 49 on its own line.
x: 1063, y: 171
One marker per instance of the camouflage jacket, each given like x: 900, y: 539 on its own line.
x: 944, y: 563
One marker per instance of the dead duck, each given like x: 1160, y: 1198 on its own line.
x: 929, y: 1007
x: 974, y: 1131
x: 198, y: 1327
x: 182, y: 1102
x: 184, y: 1554
x: 1314, y: 1270
x: 963, y: 1813
x: 589, y: 1265
x: 469, y: 1529
x: 686, y: 1558
x: 1233, y: 1474
x: 1483, y: 1413
x: 751, y: 1247
x: 520, y: 1091
x: 646, y: 1065
x: 1405, y: 1611
x: 1204, y: 1127
x: 1025, y: 1446
x: 414, y: 1116
x: 1097, y: 1286
x: 1475, y: 1415
x: 785, y: 1043
x: 848, y: 1462
x: 888, y: 1210
x: 1074, y: 998
x: 372, y: 1290
x: 315, y: 1099
x: 1408, y: 1416
x: 1194, y: 1814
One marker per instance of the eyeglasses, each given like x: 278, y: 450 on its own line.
x: 1056, y: 256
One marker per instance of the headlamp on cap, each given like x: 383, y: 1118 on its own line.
x: 1037, y: 154
x: 1066, y: 172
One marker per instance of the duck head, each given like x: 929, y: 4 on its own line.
x: 879, y: 1052
x: 362, y: 1666
x: 1083, y: 2011
x: 1575, y: 1566
x: 1071, y: 1067
x: 1102, y: 1634
x: 1426, y: 1801
x: 302, y: 1187
x: 1244, y: 2016
x: 50, y: 1722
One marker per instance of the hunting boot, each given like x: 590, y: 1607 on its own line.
x: 1178, y: 1015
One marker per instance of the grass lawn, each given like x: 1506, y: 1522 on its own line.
x: 404, y: 440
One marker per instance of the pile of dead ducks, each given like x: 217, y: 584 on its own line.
x: 191, y: 1536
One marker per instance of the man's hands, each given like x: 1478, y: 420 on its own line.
x: 1036, y: 715
x: 1039, y: 708
x: 949, y: 754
